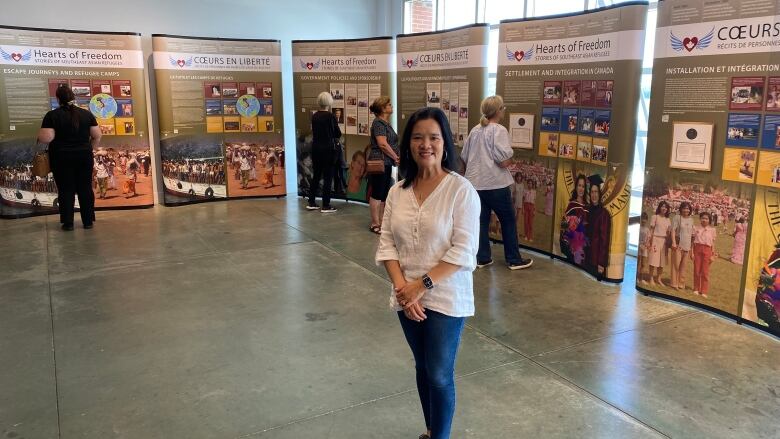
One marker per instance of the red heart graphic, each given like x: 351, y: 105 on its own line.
x: 409, y: 63
x: 180, y: 63
x: 690, y: 43
x: 309, y: 65
x: 519, y: 55
x: 16, y: 56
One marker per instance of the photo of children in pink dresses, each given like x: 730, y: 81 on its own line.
x: 703, y: 254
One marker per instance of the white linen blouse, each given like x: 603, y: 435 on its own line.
x: 444, y: 228
x: 485, y: 148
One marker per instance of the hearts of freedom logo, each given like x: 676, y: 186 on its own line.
x: 15, y: 56
x: 310, y: 65
x: 519, y: 55
x: 690, y: 43
x: 409, y: 63
x: 180, y: 62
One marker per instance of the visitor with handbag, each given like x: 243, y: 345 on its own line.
x: 325, y: 135
x: 384, y: 144
x: 72, y: 134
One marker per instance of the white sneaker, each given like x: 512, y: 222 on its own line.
x: 524, y: 263
x: 312, y: 207
x: 485, y: 263
x: 329, y: 209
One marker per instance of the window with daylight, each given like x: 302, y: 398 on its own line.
x: 419, y: 16
x: 429, y: 15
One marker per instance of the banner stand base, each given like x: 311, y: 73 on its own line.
x: 55, y: 212
x: 562, y: 259
x: 218, y: 200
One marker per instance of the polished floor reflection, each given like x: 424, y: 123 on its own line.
x: 259, y: 319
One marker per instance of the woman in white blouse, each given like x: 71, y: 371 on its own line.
x: 428, y: 245
x: 487, y: 154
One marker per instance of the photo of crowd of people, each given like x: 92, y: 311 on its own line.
x: 598, y: 154
x: 205, y: 171
x: 532, y: 197
x: 193, y: 167
x: 119, y: 171
x: 255, y: 169
x: 121, y: 176
x: 21, y: 178
x: 692, y: 241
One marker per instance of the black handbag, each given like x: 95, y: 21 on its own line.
x: 338, y: 147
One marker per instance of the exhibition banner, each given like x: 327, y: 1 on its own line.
x: 106, y: 73
x: 447, y: 70
x: 571, y: 87
x: 220, y: 115
x: 712, y: 158
x: 355, y: 72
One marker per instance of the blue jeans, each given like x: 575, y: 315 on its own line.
x: 434, y: 343
x: 499, y: 201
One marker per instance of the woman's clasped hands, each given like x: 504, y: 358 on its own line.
x: 408, y: 296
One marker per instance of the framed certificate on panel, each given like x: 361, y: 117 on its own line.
x: 692, y: 146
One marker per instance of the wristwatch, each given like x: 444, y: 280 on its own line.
x: 427, y: 282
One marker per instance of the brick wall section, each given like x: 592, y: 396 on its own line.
x: 422, y: 16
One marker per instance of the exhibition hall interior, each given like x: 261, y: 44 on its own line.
x: 314, y: 219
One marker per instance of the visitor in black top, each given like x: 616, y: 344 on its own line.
x: 72, y: 133
x: 324, y: 155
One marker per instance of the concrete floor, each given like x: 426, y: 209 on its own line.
x: 259, y: 319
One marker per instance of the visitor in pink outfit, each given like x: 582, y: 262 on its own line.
x: 740, y: 236
x: 529, y: 209
x: 660, y: 228
x: 548, y: 199
x: 703, y: 254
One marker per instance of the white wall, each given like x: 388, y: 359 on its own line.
x: 283, y: 20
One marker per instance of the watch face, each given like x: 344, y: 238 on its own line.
x: 427, y: 282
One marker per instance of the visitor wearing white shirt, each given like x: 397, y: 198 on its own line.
x: 428, y: 245
x: 487, y: 154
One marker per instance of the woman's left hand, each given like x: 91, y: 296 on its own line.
x: 415, y: 312
x: 601, y: 269
x: 410, y: 293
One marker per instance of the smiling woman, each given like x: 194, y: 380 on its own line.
x: 425, y: 145
x: 428, y: 246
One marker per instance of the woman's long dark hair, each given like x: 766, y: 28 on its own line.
x: 661, y: 204
x: 67, y: 102
x: 408, y: 167
x: 585, y: 194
